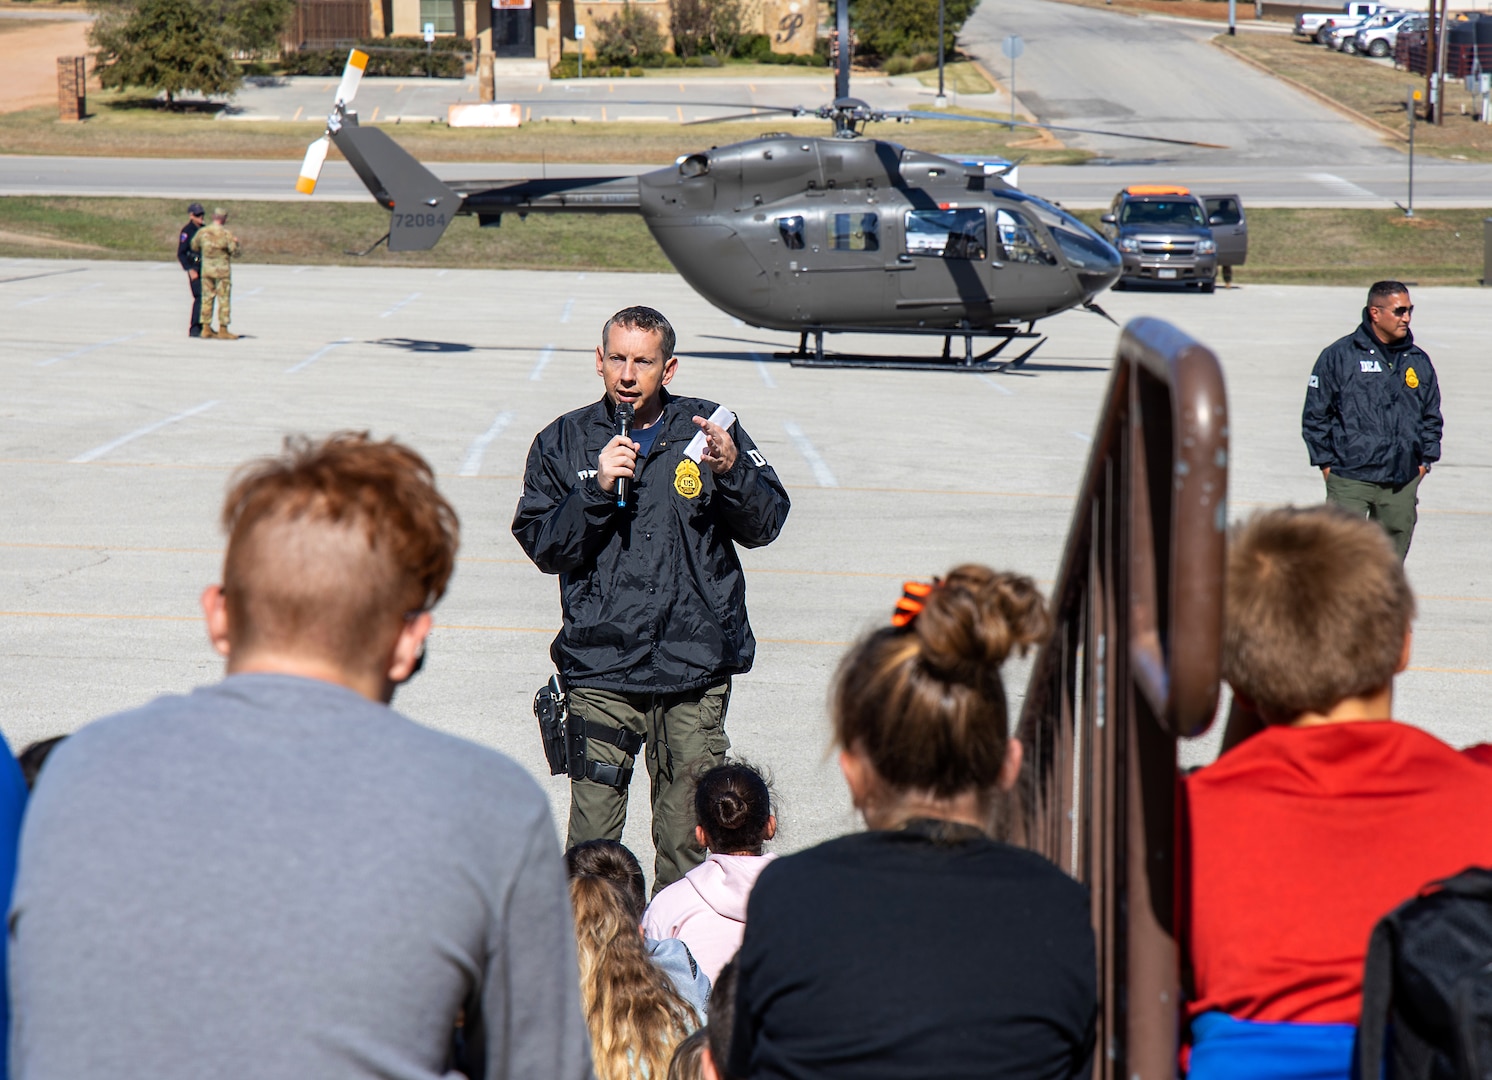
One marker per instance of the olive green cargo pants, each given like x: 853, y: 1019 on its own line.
x: 685, y: 736
x: 1392, y: 507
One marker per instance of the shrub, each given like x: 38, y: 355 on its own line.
x: 394, y: 60
x: 689, y: 23
x: 673, y: 62
x: 711, y: 61
x: 631, y: 36
x: 694, y: 61
x: 565, y: 69
x: 803, y: 59
x: 754, y: 47
x: 634, y: 73
x: 897, y: 65
x: 924, y: 61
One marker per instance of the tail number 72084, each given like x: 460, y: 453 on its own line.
x: 418, y: 221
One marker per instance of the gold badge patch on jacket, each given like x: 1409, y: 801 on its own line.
x: 686, y: 479
x: 1411, y: 380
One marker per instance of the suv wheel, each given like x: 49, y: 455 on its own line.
x: 1378, y: 47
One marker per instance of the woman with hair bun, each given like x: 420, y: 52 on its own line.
x: 706, y: 908
x: 922, y: 947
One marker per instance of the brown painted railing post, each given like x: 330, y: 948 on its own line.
x: 1131, y: 667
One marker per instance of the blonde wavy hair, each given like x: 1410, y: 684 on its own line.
x: 636, y: 1017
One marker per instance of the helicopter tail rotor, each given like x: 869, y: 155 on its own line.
x: 310, y: 168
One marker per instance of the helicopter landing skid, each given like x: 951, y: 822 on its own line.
x: 983, y: 362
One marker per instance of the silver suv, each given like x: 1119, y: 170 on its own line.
x: 1380, y: 40
x: 1162, y: 235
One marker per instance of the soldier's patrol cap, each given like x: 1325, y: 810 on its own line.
x: 218, y: 211
x: 195, y: 209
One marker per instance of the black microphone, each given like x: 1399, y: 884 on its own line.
x: 624, y: 414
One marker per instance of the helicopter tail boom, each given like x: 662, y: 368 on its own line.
x: 421, y: 206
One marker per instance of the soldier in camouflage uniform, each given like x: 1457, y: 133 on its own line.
x: 217, y: 246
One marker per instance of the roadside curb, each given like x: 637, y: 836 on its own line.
x: 1042, y: 139
x: 1325, y: 99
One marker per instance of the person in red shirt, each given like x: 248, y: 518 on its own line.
x: 1328, y: 815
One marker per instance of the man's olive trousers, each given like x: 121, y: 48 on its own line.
x: 685, y: 737
x: 1393, y: 507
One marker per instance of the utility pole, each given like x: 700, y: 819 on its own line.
x: 942, y: 98
x: 1431, y: 37
x: 1438, y: 101
x: 1233, y: 17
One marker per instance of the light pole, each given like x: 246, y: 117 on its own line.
x: 942, y: 99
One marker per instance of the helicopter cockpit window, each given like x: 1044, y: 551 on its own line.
x: 791, y: 231
x: 1018, y: 242
x: 856, y: 232
x: 949, y: 234
x: 694, y: 165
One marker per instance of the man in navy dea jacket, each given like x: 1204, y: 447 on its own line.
x: 653, y: 594
x: 1372, y: 416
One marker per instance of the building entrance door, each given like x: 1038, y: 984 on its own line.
x: 512, y: 29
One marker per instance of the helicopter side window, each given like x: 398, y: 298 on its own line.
x: 856, y: 232
x: 791, y: 231
x: 948, y: 234
x: 1018, y: 241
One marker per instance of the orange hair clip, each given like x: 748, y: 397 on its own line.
x: 914, y: 595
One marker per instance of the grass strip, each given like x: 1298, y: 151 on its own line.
x: 1308, y: 246
x: 134, y: 125
x: 1375, y: 90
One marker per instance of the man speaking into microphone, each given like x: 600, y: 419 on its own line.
x: 637, y: 502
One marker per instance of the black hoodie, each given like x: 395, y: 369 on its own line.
x: 1372, y: 411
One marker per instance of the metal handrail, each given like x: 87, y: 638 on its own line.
x: 1132, y: 665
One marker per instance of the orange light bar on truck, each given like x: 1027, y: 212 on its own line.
x: 1156, y: 189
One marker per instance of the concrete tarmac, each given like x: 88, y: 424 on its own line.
x: 120, y: 435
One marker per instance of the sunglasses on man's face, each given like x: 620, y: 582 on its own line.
x: 1400, y: 311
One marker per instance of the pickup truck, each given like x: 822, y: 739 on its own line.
x: 1308, y: 22
x: 1379, y: 40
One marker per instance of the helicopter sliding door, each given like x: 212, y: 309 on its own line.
x: 842, y: 261
x: 946, y: 261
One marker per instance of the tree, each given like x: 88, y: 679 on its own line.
x: 255, y: 26
x: 689, y: 23
x: 630, y: 37
x: 164, y: 45
x: 907, y: 27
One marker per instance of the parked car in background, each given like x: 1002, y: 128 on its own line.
x: 1343, y: 35
x: 1308, y: 22
x: 1162, y: 235
x: 1380, y: 40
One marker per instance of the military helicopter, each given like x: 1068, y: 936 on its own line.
x: 843, y: 234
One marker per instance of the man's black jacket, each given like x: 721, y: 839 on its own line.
x: 189, y: 259
x: 1372, y: 412
x: 653, y: 596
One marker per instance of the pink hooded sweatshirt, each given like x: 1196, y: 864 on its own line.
x: 706, y: 908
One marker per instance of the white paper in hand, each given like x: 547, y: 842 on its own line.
x: 696, y: 448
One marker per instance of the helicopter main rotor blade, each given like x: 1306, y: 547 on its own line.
x: 918, y: 115
x: 744, y: 116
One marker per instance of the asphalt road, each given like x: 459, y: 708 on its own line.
x: 118, y: 435
x: 1092, y: 68
x: 1437, y: 183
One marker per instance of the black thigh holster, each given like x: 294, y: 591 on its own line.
x: 564, y: 738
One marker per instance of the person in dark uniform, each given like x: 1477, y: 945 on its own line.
x: 653, y: 594
x: 1372, y: 417
x: 191, y: 262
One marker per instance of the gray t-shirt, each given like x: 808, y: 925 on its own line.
x: 275, y: 877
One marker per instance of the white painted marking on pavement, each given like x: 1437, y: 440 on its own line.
x: 300, y: 269
x: 411, y: 298
x: 1342, y: 187
x: 88, y: 349
x: 1080, y: 437
x: 997, y: 385
x: 821, y: 471
x: 541, y: 363
x: 473, y: 463
x: 569, y: 307
x: 764, y: 371
x: 99, y: 451
x: 317, y: 355
x: 442, y: 273
x: 251, y: 292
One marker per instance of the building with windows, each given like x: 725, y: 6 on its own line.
x: 531, y: 29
